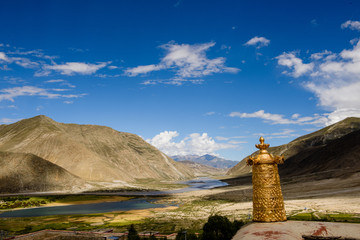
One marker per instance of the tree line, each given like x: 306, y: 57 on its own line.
x: 216, y: 228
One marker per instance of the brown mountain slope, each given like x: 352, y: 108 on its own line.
x: 22, y: 172
x: 338, y: 158
x: 91, y: 152
x: 306, y: 145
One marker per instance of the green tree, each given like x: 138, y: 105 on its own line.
x: 181, y: 235
x: 152, y: 237
x: 192, y: 236
x: 236, y: 225
x: 132, y: 233
x: 184, y: 235
x: 220, y: 228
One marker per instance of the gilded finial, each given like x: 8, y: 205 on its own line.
x: 262, y: 145
x: 268, y: 202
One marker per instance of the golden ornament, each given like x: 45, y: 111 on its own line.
x: 268, y: 202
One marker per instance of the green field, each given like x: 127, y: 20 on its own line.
x: 36, y: 201
x: 325, y: 217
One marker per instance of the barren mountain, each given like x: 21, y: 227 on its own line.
x: 208, y: 160
x: 332, y: 148
x: 90, y: 152
x: 22, y: 172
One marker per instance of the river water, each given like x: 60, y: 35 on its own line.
x: 133, y: 204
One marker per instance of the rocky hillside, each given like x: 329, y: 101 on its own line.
x: 333, y: 147
x: 22, y: 172
x: 91, y: 152
x: 338, y: 158
x: 208, y: 160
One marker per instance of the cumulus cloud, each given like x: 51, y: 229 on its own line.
x: 259, y: 42
x: 280, y: 119
x: 11, y: 93
x: 195, y: 143
x: 334, y: 78
x: 188, y: 61
x: 353, y: 25
x: 295, y: 64
x: 71, y: 68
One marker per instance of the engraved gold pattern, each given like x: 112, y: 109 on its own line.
x: 268, y: 202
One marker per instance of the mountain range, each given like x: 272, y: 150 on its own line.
x: 81, y: 153
x: 201, y: 170
x: 208, y: 160
x: 39, y: 154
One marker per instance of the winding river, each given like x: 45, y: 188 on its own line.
x: 133, y: 204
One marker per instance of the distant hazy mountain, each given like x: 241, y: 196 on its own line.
x: 22, y: 172
x: 330, y: 152
x: 209, y: 160
x: 201, y: 170
x: 90, y: 152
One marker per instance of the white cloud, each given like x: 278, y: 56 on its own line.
x: 11, y: 93
x: 318, y: 56
x: 194, y: 143
x: 314, y: 22
x: 143, y: 69
x: 295, y: 64
x: 173, y: 81
x: 353, y: 25
x: 286, y: 133
x: 21, y: 61
x: 354, y: 41
x: 3, y: 57
x: 44, y: 64
x: 280, y: 119
x: 335, y: 80
x: 210, y: 113
x: 71, y: 68
x: 25, y: 62
x: 62, y: 82
x: 188, y: 61
x: 112, y: 67
x: 38, y: 53
x: 14, y: 80
x: 220, y: 138
x: 273, y: 118
x: 55, y: 81
x: 295, y: 115
x: 259, y: 42
x: 236, y: 142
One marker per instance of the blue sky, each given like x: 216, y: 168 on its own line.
x: 190, y: 77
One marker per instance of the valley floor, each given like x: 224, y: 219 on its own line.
x: 329, y: 200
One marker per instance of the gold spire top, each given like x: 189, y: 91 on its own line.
x: 262, y: 146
